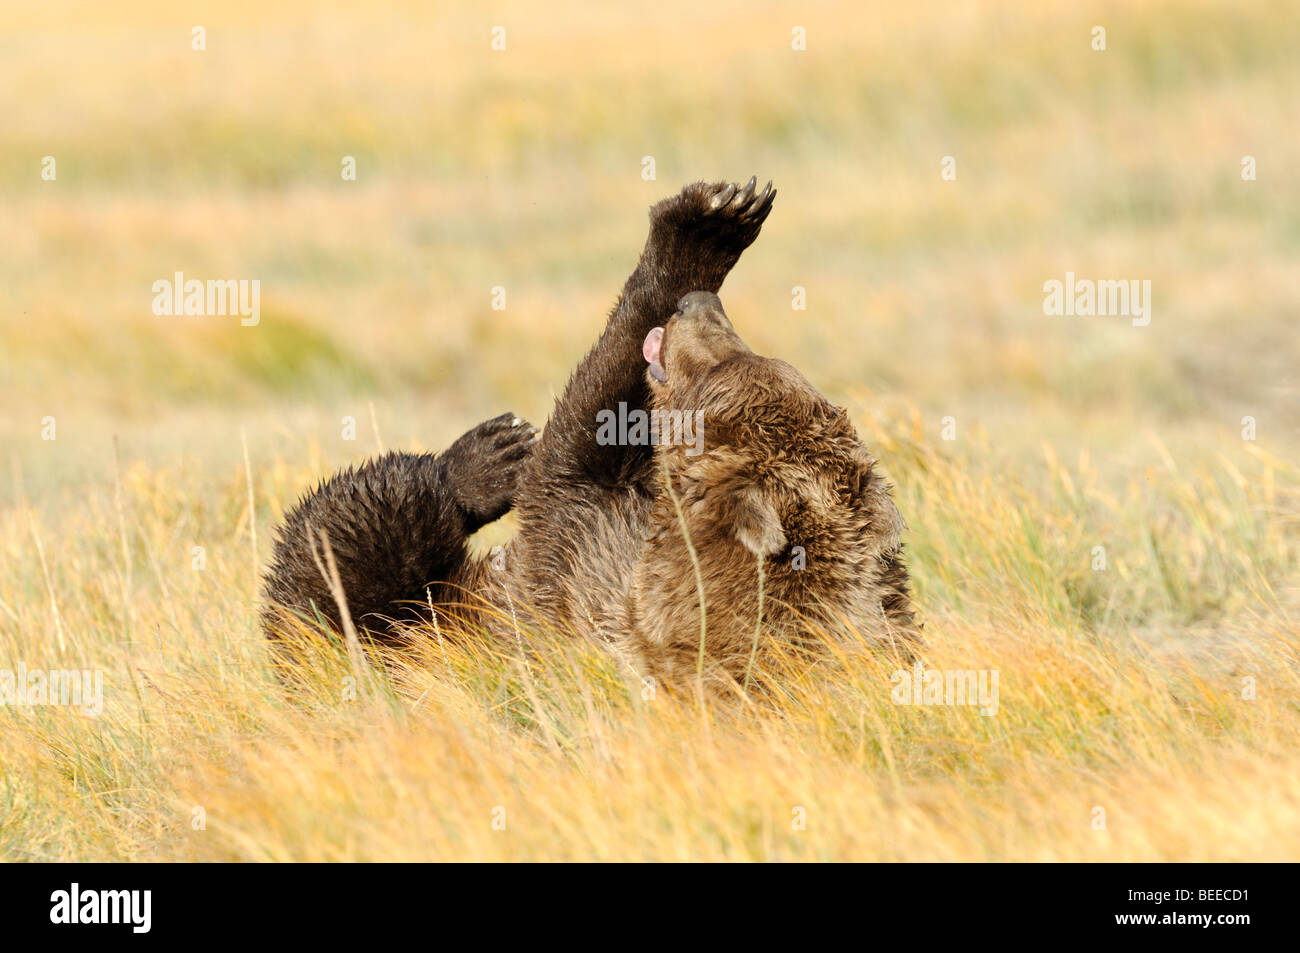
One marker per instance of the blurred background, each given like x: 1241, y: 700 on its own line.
x: 522, y: 168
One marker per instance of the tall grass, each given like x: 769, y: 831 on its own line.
x: 1108, y: 699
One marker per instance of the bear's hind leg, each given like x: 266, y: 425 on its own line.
x: 397, y: 526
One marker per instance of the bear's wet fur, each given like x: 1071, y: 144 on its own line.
x: 397, y: 526
x: 778, y: 507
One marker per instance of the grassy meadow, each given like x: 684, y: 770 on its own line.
x: 1105, y: 528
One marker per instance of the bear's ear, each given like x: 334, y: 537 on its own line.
x: 756, y: 522
x: 858, y: 477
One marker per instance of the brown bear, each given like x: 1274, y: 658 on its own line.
x: 687, y: 500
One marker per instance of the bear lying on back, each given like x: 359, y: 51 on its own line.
x: 732, y: 487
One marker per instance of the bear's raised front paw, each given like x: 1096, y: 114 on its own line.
x: 482, y: 468
x: 717, y: 211
x: 702, y: 230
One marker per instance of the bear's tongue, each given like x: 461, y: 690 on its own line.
x: 650, y: 350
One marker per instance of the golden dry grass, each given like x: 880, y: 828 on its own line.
x: 1121, y: 689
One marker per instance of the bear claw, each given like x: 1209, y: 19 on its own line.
x: 747, y: 192
x: 746, y: 202
x: 723, y: 197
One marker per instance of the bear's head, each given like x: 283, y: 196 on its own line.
x: 756, y: 469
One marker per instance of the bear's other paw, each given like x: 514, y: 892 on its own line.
x: 483, y: 467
